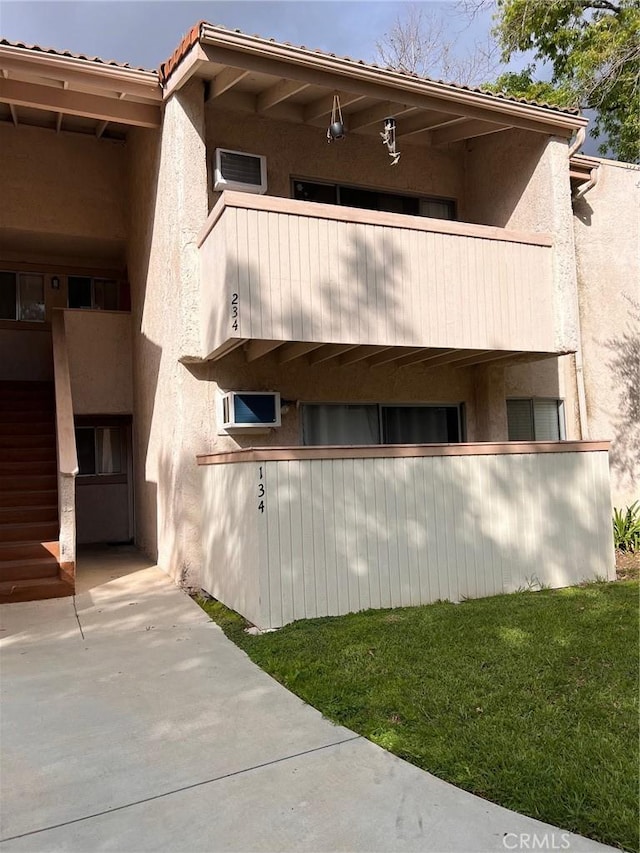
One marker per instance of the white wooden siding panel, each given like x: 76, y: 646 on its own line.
x: 302, y: 278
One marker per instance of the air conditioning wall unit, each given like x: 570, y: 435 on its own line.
x: 249, y: 411
x: 236, y: 170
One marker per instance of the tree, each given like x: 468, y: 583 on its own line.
x: 593, y: 50
x: 419, y: 43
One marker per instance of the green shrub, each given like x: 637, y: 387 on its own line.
x: 626, y: 528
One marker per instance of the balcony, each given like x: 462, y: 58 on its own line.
x: 323, y: 282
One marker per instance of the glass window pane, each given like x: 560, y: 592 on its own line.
x: 545, y: 419
x: 85, y: 447
x: 31, y: 293
x: 520, y: 420
x: 419, y: 424
x: 437, y: 208
x: 307, y: 191
x: 105, y: 294
x: 340, y: 424
x: 79, y: 292
x: 108, y: 450
x: 7, y: 296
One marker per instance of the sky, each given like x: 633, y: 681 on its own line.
x: 145, y: 34
x: 113, y: 30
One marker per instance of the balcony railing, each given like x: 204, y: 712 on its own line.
x: 275, y: 269
x: 299, y: 532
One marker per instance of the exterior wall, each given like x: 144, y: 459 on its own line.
x: 99, y: 352
x: 168, y: 207
x: 69, y: 184
x: 607, y: 231
x: 520, y: 180
x: 337, y: 535
x: 303, y: 152
x: 330, y: 383
x: 25, y: 354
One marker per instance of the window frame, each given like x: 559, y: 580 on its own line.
x: 453, y: 202
x: 380, y: 406
x: 100, y: 476
x: 560, y: 410
x: 93, y: 279
x: 18, y: 274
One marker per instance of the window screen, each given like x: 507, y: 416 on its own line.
x: 100, y: 450
x: 420, y: 424
x: 535, y: 420
x: 31, y: 292
x: 340, y: 424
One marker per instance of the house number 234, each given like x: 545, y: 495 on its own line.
x: 234, y: 311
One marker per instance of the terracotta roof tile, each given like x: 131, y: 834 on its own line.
x: 168, y: 67
x: 71, y: 55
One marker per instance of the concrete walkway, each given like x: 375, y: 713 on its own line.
x: 131, y: 723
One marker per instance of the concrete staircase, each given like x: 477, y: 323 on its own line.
x: 29, y: 529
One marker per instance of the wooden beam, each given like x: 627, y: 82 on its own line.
x: 329, y: 351
x: 19, y: 94
x: 420, y: 124
x: 258, y: 349
x: 465, y: 130
x: 483, y: 359
x: 226, y: 80
x: 72, y: 73
x: 362, y: 353
x: 323, y: 106
x: 392, y: 354
x: 279, y: 92
x: 448, y: 357
x: 425, y: 355
x: 375, y: 114
x: 290, y: 352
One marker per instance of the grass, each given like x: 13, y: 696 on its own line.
x: 528, y: 700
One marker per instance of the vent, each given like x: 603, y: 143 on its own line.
x: 235, y: 170
x: 250, y: 410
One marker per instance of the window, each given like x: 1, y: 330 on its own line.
x: 374, y: 199
x: 535, y: 420
x: 22, y: 296
x: 88, y: 292
x: 100, y: 450
x: 362, y: 423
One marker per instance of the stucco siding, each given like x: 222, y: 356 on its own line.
x: 99, y: 352
x: 607, y: 232
x: 68, y: 184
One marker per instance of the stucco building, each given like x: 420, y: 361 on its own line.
x: 440, y: 349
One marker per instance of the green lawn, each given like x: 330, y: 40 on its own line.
x: 529, y: 700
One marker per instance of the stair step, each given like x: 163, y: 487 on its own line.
x: 27, y: 454
x: 39, y: 415
x: 19, y: 570
x: 27, y: 514
x: 17, y: 498
x: 26, y: 441
x: 33, y: 590
x: 10, y: 429
x: 28, y: 468
x: 25, y: 404
x: 28, y: 531
x: 15, y: 482
x: 10, y: 551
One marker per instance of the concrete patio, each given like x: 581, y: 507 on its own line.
x: 130, y: 723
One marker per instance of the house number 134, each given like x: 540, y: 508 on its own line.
x: 261, y: 489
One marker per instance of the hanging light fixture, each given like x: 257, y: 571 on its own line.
x: 336, y: 128
x: 389, y: 139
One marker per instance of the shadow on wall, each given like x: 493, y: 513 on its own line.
x: 400, y: 532
x: 624, y: 365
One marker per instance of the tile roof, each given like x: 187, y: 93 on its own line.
x: 193, y: 36
x: 71, y: 55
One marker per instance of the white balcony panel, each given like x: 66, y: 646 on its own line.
x: 327, y: 532
x: 297, y: 271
